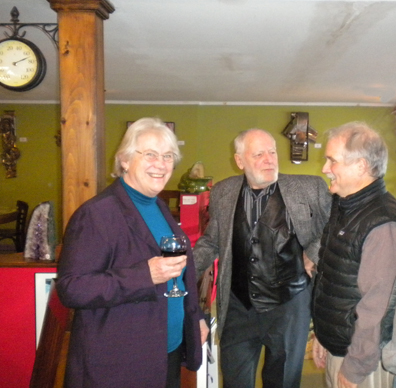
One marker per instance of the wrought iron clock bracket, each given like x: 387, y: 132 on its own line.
x: 16, y: 28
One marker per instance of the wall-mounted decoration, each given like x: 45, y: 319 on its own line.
x: 10, y: 153
x: 300, y: 134
x: 23, y: 65
x: 170, y: 124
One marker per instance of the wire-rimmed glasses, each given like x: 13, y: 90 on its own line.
x: 152, y: 156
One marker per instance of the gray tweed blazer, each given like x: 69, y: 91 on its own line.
x: 308, y: 202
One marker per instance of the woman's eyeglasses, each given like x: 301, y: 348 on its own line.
x: 152, y: 156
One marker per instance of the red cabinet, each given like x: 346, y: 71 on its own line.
x: 18, y: 319
x: 194, y: 214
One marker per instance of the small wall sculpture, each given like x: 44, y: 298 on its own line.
x: 10, y: 153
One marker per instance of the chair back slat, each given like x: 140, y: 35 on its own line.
x: 18, y: 233
x: 8, y: 217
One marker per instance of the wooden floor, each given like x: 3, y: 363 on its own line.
x: 312, y: 377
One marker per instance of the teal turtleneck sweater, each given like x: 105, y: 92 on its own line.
x: 156, y: 222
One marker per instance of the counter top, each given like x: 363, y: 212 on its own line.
x: 17, y: 260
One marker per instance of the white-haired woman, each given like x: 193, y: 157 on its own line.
x: 126, y: 333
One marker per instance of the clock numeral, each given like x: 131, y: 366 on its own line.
x: 22, y: 65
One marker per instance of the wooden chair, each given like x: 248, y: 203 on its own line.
x: 172, y: 199
x: 51, y: 355
x: 17, y: 234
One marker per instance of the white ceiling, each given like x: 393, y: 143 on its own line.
x: 233, y: 51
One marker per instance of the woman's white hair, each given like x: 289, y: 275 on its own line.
x: 130, y: 140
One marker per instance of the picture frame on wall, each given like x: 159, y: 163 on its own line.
x: 170, y: 124
x: 42, y: 286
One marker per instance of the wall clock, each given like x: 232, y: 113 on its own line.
x: 22, y: 64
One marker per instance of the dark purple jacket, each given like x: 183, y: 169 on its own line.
x: 119, y: 333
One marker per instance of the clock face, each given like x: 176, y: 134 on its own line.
x: 22, y: 65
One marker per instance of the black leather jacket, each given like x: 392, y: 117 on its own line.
x: 267, y: 266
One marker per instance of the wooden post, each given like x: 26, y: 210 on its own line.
x: 81, y: 63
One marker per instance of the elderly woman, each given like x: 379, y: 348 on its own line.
x: 125, y: 332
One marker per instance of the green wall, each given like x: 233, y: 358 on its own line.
x: 207, y: 131
x: 39, y: 167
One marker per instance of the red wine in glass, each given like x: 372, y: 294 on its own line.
x: 172, y: 246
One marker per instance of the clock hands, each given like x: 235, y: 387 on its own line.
x: 23, y: 59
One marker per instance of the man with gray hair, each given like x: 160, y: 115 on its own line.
x: 357, y: 266
x: 263, y: 227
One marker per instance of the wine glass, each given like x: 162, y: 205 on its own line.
x: 171, y: 246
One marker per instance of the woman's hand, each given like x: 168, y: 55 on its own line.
x: 204, y: 330
x: 163, y: 269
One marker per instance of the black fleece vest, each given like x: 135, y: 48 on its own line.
x: 336, y: 291
x: 267, y: 266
